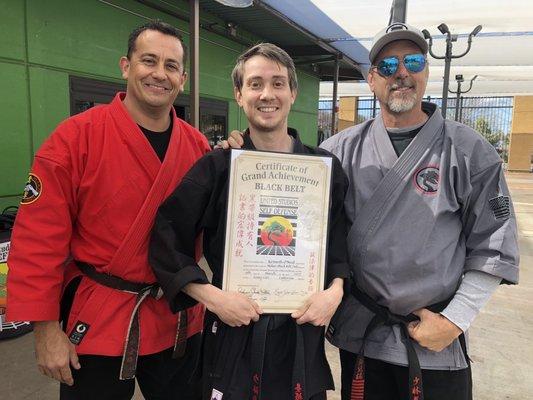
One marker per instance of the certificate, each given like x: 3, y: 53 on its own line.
x: 277, y: 227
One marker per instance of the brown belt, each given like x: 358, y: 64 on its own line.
x: 142, y: 291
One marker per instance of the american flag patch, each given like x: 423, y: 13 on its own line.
x: 500, y: 207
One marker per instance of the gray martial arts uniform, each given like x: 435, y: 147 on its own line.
x: 419, y: 222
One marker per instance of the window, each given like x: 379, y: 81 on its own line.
x: 86, y: 93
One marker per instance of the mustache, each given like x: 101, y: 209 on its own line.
x: 402, y: 83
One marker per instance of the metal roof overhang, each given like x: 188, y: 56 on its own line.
x: 309, y: 51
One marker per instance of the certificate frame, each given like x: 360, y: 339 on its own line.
x: 277, y: 227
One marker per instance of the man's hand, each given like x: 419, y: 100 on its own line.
x: 54, y: 352
x: 234, y: 309
x: 321, y: 306
x: 434, y: 331
x: 235, y: 141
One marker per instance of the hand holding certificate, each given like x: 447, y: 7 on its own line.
x: 277, y: 224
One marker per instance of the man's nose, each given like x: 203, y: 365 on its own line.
x: 401, y: 72
x: 159, y: 71
x: 267, y: 93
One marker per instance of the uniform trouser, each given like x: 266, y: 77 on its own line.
x: 160, y: 377
x: 384, y: 381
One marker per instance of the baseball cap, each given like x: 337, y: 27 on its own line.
x: 397, y: 31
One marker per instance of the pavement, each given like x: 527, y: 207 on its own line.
x: 501, y: 338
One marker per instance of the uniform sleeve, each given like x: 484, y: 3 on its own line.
x: 40, y: 243
x: 337, y: 251
x: 178, y: 222
x: 489, y: 226
x: 474, y: 292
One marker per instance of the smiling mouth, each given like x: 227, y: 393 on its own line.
x: 267, y: 109
x: 401, y: 89
x: 157, y: 87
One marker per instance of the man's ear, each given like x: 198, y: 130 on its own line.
x: 238, y: 95
x: 183, y: 80
x: 124, y: 65
x: 294, y: 93
x: 370, y: 80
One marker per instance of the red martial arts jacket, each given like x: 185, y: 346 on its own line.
x: 96, y: 186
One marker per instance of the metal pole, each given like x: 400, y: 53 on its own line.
x: 461, y: 110
x: 194, y: 44
x: 334, y: 99
x: 457, y: 99
x: 443, y: 28
x: 447, y: 65
x: 374, y: 106
x: 398, y: 11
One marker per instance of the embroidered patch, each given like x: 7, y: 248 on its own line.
x: 427, y: 180
x: 32, y: 190
x: 216, y: 395
x: 298, y: 395
x: 78, y: 332
x: 501, y: 207
x: 255, y: 386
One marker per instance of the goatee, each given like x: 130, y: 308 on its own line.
x: 401, y: 102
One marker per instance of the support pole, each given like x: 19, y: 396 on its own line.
x: 448, y: 56
x: 334, y: 99
x: 446, y: 83
x: 457, y: 100
x: 194, y: 76
x: 398, y: 11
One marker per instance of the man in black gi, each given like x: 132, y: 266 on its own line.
x: 246, y: 354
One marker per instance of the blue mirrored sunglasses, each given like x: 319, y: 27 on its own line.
x: 412, y: 62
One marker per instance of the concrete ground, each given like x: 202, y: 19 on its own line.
x: 501, y: 337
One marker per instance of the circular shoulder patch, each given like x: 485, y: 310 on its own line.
x: 427, y: 179
x: 32, y: 190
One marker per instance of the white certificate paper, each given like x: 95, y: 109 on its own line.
x: 276, y: 227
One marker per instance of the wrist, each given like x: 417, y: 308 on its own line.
x: 205, y: 293
x: 212, y: 296
x: 337, y: 285
x: 453, y: 328
x: 39, y: 326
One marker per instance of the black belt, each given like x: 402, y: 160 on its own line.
x: 142, y: 290
x: 383, y: 316
x: 260, y: 329
x: 255, y: 334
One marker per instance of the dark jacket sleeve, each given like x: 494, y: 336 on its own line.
x: 178, y: 222
x: 337, y: 257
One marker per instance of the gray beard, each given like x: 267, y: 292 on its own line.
x: 400, y: 105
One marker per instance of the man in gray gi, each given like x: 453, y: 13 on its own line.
x: 433, y: 234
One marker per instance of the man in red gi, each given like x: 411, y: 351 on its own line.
x: 79, y: 246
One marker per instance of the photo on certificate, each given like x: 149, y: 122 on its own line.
x: 276, y: 227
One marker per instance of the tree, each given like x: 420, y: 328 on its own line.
x: 277, y: 229
x: 483, y: 126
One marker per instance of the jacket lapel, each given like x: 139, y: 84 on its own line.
x: 395, y: 178
x: 165, y: 176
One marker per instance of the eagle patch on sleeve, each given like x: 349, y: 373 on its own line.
x: 500, y: 207
x: 32, y: 190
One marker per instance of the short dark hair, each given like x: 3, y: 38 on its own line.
x: 160, y: 26
x: 271, y: 52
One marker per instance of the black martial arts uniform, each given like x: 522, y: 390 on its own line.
x: 274, y: 358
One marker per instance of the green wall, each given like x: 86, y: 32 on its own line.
x: 43, y: 42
